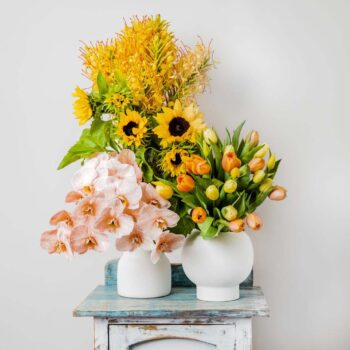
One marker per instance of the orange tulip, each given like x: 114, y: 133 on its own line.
x: 198, y: 215
x: 254, y: 221
x: 278, y: 193
x: 197, y: 165
x: 230, y: 161
x: 256, y: 164
x: 236, y: 225
x: 185, y: 183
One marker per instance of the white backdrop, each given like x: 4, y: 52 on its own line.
x: 284, y: 67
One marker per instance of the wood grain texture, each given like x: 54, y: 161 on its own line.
x: 179, y: 279
x: 182, y: 303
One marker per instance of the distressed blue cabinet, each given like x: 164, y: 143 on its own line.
x: 176, y: 321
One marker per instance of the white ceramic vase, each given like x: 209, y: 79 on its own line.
x: 217, y: 266
x: 138, y: 277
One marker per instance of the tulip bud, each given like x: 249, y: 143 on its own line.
x: 185, y: 183
x: 210, y: 136
x: 279, y: 193
x: 236, y: 225
x: 206, y: 149
x: 266, y: 185
x: 256, y: 164
x: 229, y: 148
x: 212, y: 192
x: 164, y: 190
x: 262, y: 152
x: 258, y: 176
x: 230, y: 161
x: 198, y: 215
x: 230, y: 186
x: 271, y: 162
x: 235, y: 173
x: 229, y: 212
x: 252, y: 138
x: 254, y: 221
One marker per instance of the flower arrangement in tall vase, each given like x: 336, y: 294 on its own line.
x: 141, y: 122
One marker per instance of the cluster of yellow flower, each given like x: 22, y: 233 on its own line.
x: 146, y: 82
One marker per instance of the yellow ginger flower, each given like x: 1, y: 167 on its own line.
x: 81, y: 106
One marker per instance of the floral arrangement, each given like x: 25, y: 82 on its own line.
x: 227, y: 181
x: 110, y: 197
x: 142, y: 97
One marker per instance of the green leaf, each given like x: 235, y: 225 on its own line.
x: 242, y: 207
x: 205, y: 226
x: 86, y: 145
x: 217, y: 213
x: 190, y: 200
x: 247, y: 156
x: 102, y: 84
x: 218, y: 156
x: 236, y: 134
x: 201, y: 198
x: 184, y: 226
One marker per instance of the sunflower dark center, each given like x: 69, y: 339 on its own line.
x: 178, y: 126
x: 128, y: 128
x: 177, y: 160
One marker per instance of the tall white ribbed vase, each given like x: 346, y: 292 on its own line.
x: 138, y: 277
x: 217, y: 266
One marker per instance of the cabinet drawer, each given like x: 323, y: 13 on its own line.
x: 169, y: 337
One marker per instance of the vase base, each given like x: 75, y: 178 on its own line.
x: 143, y: 296
x: 218, y: 293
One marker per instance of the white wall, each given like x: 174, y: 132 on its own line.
x: 284, y: 67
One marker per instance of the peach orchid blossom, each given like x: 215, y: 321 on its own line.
x: 57, y: 240
x: 89, y: 208
x: 74, y: 197
x: 154, y: 220
x: 166, y: 243
x: 113, y: 220
x: 83, y: 238
x: 62, y: 216
x: 150, y: 196
x: 136, y: 239
x: 128, y: 192
x: 126, y: 156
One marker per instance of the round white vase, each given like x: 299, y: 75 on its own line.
x: 138, y: 277
x: 217, y: 266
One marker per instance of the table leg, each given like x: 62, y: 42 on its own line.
x: 100, y: 333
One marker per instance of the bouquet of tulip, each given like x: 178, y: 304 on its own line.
x: 227, y: 181
x: 110, y: 197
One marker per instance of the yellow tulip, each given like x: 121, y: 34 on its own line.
x: 258, y: 176
x: 210, y: 136
x: 164, y: 190
x: 235, y: 172
x: 266, y: 185
x: 229, y: 212
x: 262, y: 152
x: 230, y: 186
x: 212, y: 192
x: 271, y: 162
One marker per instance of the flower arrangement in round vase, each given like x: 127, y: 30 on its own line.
x: 222, y: 188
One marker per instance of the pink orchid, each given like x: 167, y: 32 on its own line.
x: 57, y: 240
x: 74, y: 197
x: 83, y: 238
x: 126, y: 156
x: 62, y: 216
x: 114, y: 220
x: 128, y: 192
x: 134, y: 240
x: 150, y: 196
x: 154, y: 220
x: 166, y: 243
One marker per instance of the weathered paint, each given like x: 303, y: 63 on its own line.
x: 236, y: 336
x: 178, y: 278
x: 104, y: 301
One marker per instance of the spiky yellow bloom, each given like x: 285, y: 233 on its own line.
x: 81, y: 106
x: 173, y: 162
x: 179, y: 124
x: 116, y: 102
x: 131, y: 128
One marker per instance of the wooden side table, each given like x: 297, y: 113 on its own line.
x: 123, y: 323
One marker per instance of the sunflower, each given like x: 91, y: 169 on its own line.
x: 81, y: 106
x: 173, y: 162
x: 178, y: 125
x: 131, y: 128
